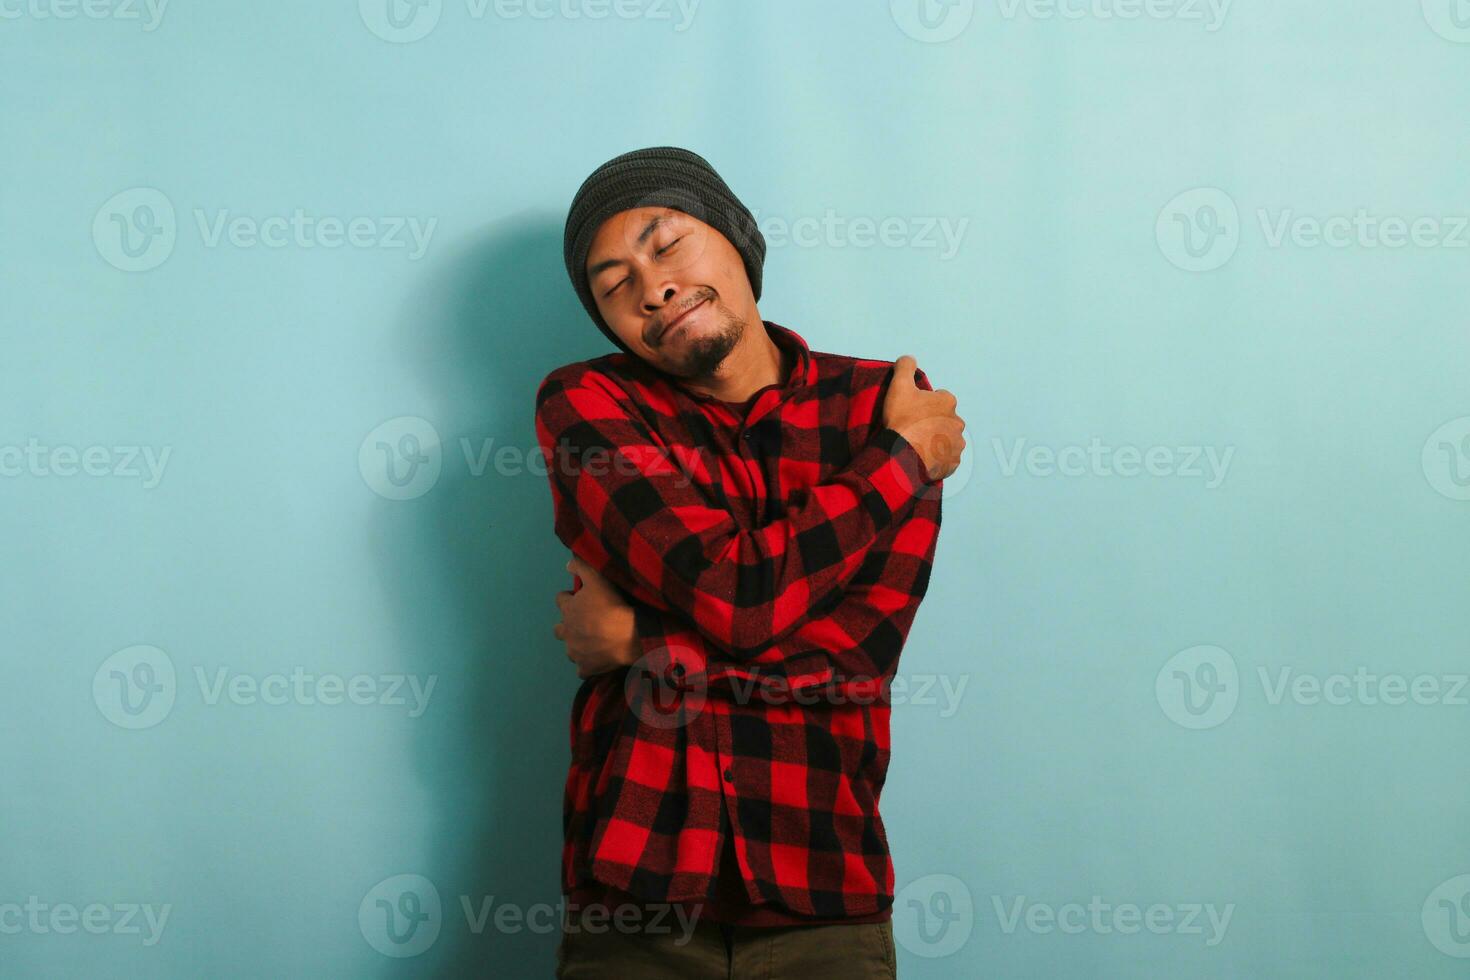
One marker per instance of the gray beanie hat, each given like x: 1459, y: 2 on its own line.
x: 658, y: 176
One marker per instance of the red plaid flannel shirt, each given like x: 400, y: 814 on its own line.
x: 775, y: 563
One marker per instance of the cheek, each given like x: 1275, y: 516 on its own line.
x: 619, y: 319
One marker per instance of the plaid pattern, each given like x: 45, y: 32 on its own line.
x: 775, y: 563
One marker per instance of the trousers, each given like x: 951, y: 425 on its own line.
x: 703, y: 950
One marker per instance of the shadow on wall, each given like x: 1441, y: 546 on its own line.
x: 471, y: 568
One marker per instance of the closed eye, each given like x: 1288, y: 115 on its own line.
x: 659, y: 252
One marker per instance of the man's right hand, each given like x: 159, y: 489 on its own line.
x: 926, y: 419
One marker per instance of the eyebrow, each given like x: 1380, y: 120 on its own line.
x: 642, y: 237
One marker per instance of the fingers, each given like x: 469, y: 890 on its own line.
x: 904, y: 368
x: 562, y: 598
x: 942, y: 449
x: 584, y: 571
x: 559, y: 631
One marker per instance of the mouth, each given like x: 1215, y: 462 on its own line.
x: 669, y: 327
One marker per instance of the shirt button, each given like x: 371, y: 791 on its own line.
x: 729, y: 775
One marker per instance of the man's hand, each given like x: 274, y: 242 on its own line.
x: 926, y: 419
x: 596, y: 624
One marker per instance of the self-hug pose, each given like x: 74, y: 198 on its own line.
x: 752, y: 524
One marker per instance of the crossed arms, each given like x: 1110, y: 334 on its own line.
x: 797, y: 595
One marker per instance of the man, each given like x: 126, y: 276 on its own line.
x: 752, y: 526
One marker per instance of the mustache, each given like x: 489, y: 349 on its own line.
x: 659, y: 324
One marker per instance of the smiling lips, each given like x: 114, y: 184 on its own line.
x: 677, y: 320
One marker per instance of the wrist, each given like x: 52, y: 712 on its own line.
x: 632, y: 647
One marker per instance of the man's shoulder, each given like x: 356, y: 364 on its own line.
x: 610, y: 373
x: 837, y: 372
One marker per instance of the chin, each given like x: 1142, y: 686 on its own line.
x: 697, y: 349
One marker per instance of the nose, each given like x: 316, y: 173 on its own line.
x: 658, y: 296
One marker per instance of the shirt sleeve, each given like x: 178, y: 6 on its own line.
x: 859, y: 638
x: 649, y: 529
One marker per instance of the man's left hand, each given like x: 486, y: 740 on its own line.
x: 597, y: 625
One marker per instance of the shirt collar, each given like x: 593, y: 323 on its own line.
x: 803, y: 371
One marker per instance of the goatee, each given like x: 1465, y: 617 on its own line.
x: 703, y: 356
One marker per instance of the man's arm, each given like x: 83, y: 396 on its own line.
x: 858, y: 635
x: 655, y: 535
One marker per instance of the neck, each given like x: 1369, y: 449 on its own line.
x: 754, y: 363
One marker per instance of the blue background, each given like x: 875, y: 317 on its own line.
x: 1115, y: 643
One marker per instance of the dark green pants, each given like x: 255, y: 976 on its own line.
x: 701, y: 950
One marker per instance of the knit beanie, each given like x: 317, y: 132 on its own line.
x: 658, y: 176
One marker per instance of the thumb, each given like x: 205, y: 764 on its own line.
x: 584, y: 571
x: 903, y: 370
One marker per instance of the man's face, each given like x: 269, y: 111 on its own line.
x: 650, y: 267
